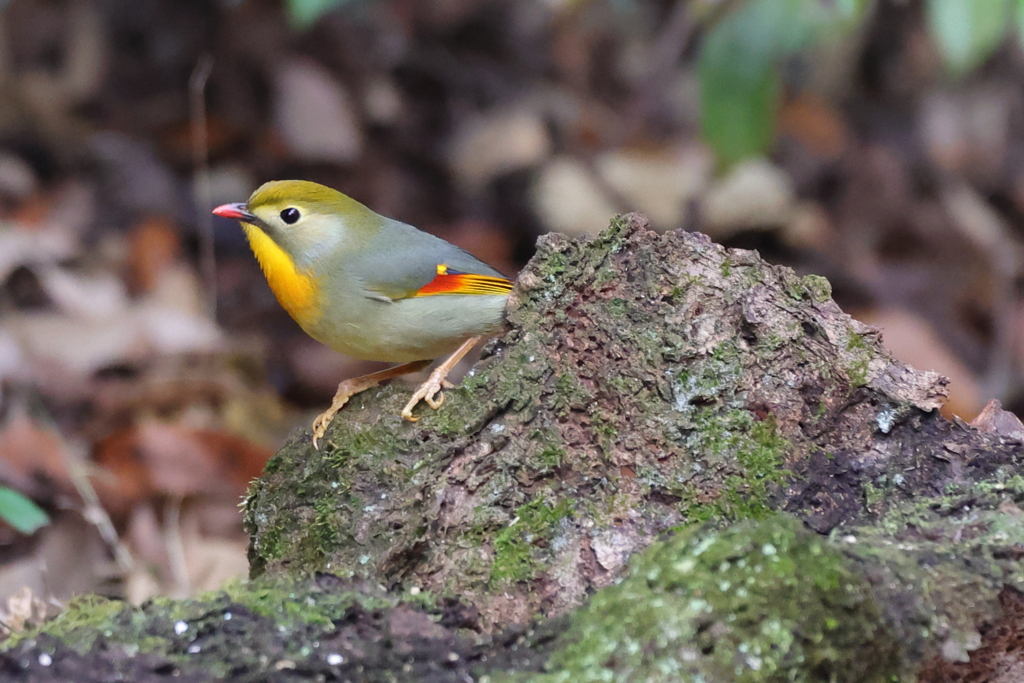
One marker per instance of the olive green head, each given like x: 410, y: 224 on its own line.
x: 306, y: 219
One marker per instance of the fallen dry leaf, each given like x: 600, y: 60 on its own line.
x: 68, y: 557
x: 24, y: 610
x: 568, y: 200
x: 153, y: 245
x: 313, y: 113
x: 156, y: 459
x: 208, y: 559
x: 32, y: 457
x: 506, y: 139
x: 815, y: 123
x: 755, y: 194
x: 659, y: 182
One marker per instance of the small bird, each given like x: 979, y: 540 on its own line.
x: 369, y: 286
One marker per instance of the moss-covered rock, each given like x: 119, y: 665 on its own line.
x: 752, y: 603
x: 774, y: 601
x: 313, y: 630
x: 645, y: 381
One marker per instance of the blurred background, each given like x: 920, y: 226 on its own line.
x: 146, y: 371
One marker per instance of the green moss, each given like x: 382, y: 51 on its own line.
x: 605, y: 274
x: 550, y: 453
x: 554, y: 265
x: 515, y: 545
x: 85, y: 619
x: 164, y: 626
x: 757, y: 448
x: 605, y: 429
x: 858, y: 373
x: 293, y: 604
x: 819, y: 288
x: 350, y: 448
x: 627, y: 386
x: 771, y: 342
x: 981, y: 504
x: 710, y: 380
x: 611, y: 239
x: 873, y: 495
x: 272, y: 466
x: 726, y: 354
x: 795, y: 288
x: 821, y: 410
x: 754, y: 603
x: 618, y: 308
x: 324, y: 531
x: 570, y: 394
x: 458, y: 414
x: 859, y: 355
x: 713, y: 424
x: 269, y: 546
x: 311, y: 522
x: 1003, y: 481
x: 428, y: 601
x: 726, y: 267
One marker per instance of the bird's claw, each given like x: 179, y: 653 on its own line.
x: 323, y: 420
x: 431, y: 392
x: 320, y: 425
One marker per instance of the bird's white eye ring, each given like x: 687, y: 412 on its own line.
x: 290, y: 215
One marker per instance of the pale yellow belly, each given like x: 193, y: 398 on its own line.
x: 418, y: 328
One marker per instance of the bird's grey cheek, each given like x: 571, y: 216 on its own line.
x: 319, y: 246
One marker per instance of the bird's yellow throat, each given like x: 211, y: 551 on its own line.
x: 296, y: 291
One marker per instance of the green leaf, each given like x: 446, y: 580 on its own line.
x: 738, y: 67
x: 20, y: 512
x: 967, y: 32
x: 304, y: 13
x: 1019, y: 18
x: 738, y: 110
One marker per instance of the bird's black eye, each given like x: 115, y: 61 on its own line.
x: 290, y: 215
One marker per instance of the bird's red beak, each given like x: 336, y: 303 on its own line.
x: 237, y: 211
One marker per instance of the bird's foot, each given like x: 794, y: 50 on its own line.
x: 346, y: 390
x: 429, y: 391
x: 351, y: 387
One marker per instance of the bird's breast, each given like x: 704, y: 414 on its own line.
x: 297, y: 292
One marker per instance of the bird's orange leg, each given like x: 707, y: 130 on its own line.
x: 430, y: 391
x: 351, y: 387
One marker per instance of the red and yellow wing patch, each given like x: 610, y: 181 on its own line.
x: 448, y: 281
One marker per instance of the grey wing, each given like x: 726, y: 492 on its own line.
x: 406, y: 260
